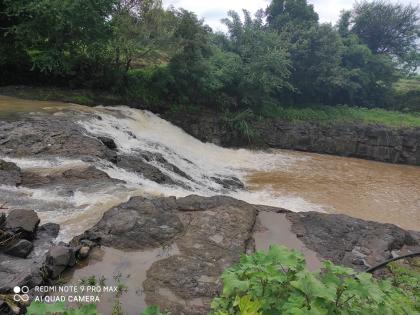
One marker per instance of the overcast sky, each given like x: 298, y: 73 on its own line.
x: 214, y: 10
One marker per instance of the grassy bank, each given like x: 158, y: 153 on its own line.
x: 346, y: 114
x: 327, y: 115
x: 77, y: 96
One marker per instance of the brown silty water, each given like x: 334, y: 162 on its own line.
x: 369, y: 190
x: 114, y: 267
x: 365, y: 189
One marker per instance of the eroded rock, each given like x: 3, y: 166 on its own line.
x: 10, y: 174
x: 20, y: 248
x: 55, y: 136
x: 137, y: 164
x: 349, y: 241
x: 137, y: 224
x: 58, y: 259
x: 24, y: 222
x: 76, y: 178
x: 210, y: 234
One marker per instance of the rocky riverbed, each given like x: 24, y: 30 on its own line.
x: 105, y: 200
x: 209, y: 233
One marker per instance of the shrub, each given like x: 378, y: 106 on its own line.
x: 277, y: 282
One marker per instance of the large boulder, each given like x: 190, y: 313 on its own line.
x: 58, y: 259
x: 24, y: 222
x: 137, y: 224
x: 10, y: 174
x: 19, y: 248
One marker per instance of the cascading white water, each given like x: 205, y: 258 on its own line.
x: 133, y: 131
x: 293, y: 180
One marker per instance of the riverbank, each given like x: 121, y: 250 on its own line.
x: 171, y: 252
x: 367, y: 141
x: 375, y: 134
x: 138, y: 187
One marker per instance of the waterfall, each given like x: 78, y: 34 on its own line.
x: 136, y: 131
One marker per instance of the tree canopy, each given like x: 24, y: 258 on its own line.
x: 281, y: 56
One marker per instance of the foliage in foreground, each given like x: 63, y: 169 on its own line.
x: 38, y: 308
x: 277, y: 282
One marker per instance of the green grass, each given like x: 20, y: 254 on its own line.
x: 407, y: 85
x: 345, y: 114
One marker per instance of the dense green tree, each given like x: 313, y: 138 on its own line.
x: 141, y: 30
x: 387, y: 28
x: 366, y: 78
x: 282, y: 56
x: 13, y: 58
x: 189, y: 67
x: 256, y: 65
x: 316, y: 58
x: 315, y: 51
x: 64, y: 38
x: 291, y: 13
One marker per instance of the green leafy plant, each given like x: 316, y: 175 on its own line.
x: 39, y: 308
x: 153, y: 310
x: 241, y: 122
x: 407, y: 277
x: 277, y: 282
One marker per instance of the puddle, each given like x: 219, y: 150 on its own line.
x: 129, y: 268
x: 276, y: 229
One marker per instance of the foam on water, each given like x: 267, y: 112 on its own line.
x: 137, y: 131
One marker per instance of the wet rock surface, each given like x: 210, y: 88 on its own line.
x: 76, y: 178
x: 349, y: 241
x: 217, y: 231
x: 137, y: 224
x: 372, y: 142
x: 23, y: 222
x: 10, y: 174
x: 138, y: 165
x: 211, y: 233
x: 50, y: 136
x: 28, y: 256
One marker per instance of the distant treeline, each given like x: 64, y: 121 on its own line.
x: 282, y: 56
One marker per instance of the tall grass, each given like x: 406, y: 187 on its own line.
x: 344, y: 114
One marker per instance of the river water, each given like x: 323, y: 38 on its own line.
x: 293, y: 180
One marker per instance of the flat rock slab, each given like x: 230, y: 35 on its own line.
x: 137, y: 224
x: 71, y: 178
x: 349, y: 241
x: 52, y: 136
x: 212, y: 233
x: 218, y: 231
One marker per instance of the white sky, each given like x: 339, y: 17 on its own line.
x: 214, y: 10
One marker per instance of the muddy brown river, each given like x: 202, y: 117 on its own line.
x: 295, y: 180
x: 364, y: 189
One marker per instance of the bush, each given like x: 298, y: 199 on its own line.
x: 150, y: 84
x: 277, y: 282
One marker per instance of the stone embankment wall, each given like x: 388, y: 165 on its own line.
x: 386, y: 144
